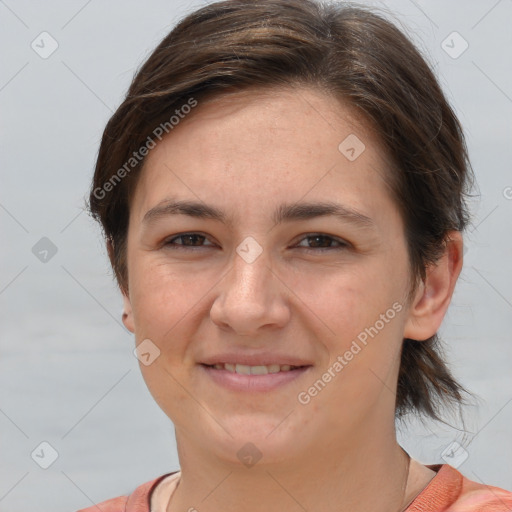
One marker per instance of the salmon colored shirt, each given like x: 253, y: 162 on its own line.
x: 448, y: 491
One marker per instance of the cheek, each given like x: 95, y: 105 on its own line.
x: 162, y: 293
x: 365, y: 315
x: 364, y: 360
x: 164, y: 305
x: 353, y: 300
x: 163, y: 382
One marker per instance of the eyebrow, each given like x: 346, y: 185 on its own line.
x: 284, y: 213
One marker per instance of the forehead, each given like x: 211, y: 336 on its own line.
x: 263, y: 143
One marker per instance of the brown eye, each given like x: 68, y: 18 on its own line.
x: 320, y: 241
x: 188, y: 240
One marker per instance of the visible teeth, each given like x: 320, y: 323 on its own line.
x: 259, y: 370
x: 244, y: 369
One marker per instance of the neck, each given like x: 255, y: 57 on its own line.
x: 369, y: 473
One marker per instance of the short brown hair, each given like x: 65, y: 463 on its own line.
x: 355, y: 55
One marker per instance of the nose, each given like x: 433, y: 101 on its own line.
x: 250, y: 298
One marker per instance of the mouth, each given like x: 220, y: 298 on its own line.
x: 244, y: 378
x: 243, y: 369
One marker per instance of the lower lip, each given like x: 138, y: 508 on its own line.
x: 250, y: 383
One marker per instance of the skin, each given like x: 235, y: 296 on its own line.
x: 246, y: 154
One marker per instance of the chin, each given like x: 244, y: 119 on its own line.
x: 269, y: 438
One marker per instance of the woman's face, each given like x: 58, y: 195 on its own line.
x: 266, y: 278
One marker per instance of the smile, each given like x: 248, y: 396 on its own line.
x: 244, y: 369
x: 244, y: 378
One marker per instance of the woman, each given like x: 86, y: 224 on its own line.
x: 283, y: 197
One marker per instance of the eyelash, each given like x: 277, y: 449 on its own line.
x: 342, y: 243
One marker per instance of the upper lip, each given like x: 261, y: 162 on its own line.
x: 261, y: 359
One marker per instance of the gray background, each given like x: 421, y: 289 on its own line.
x: 67, y: 372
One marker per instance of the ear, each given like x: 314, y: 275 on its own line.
x: 128, y: 313
x: 127, y: 306
x: 434, y: 294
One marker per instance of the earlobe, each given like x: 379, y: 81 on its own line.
x: 127, y: 306
x: 433, y: 296
x: 128, y: 314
